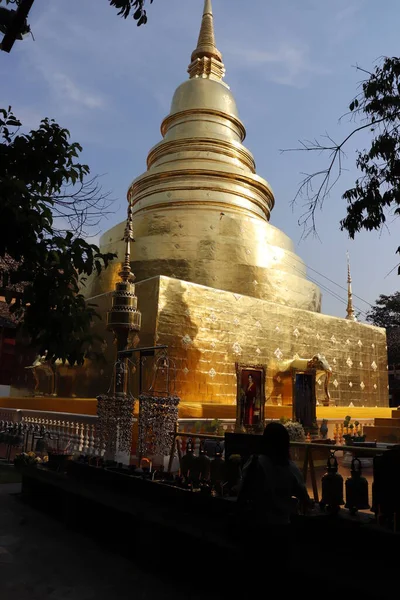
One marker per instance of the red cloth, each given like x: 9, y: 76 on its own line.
x: 250, y: 401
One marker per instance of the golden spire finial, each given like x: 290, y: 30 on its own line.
x: 350, y: 310
x: 126, y: 273
x: 124, y: 315
x: 206, y: 42
x: 206, y: 58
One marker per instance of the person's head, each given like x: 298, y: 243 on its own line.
x: 276, y: 443
x: 250, y: 378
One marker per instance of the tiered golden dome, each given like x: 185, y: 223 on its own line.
x: 200, y: 210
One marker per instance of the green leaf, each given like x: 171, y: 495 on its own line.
x: 34, y: 168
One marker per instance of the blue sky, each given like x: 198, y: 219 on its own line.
x: 289, y: 65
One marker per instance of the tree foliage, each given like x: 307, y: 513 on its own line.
x: 125, y: 8
x: 42, y: 267
x: 376, y: 193
x: 134, y: 7
x: 386, y: 313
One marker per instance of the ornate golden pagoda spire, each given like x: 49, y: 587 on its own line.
x: 206, y: 58
x: 200, y: 210
x: 350, y: 310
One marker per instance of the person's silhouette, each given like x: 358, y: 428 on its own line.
x: 271, y: 480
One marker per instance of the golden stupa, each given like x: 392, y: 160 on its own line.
x: 216, y: 282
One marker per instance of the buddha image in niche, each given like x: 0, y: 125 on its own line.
x: 250, y: 392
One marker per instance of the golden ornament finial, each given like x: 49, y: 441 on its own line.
x: 126, y: 273
x: 206, y: 58
x: 206, y: 43
x: 124, y: 315
x: 350, y: 310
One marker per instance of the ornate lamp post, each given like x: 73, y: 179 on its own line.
x: 116, y: 412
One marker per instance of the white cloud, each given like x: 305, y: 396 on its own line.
x: 348, y: 12
x: 347, y: 21
x: 287, y: 64
x: 66, y: 94
x: 63, y: 86
x: 59, y: 60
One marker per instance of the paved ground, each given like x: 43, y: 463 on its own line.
x: 41, y: 560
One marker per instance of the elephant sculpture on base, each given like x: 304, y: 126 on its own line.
x: 41, y: 365
x: 59, y: 374
x: 316, y: 364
